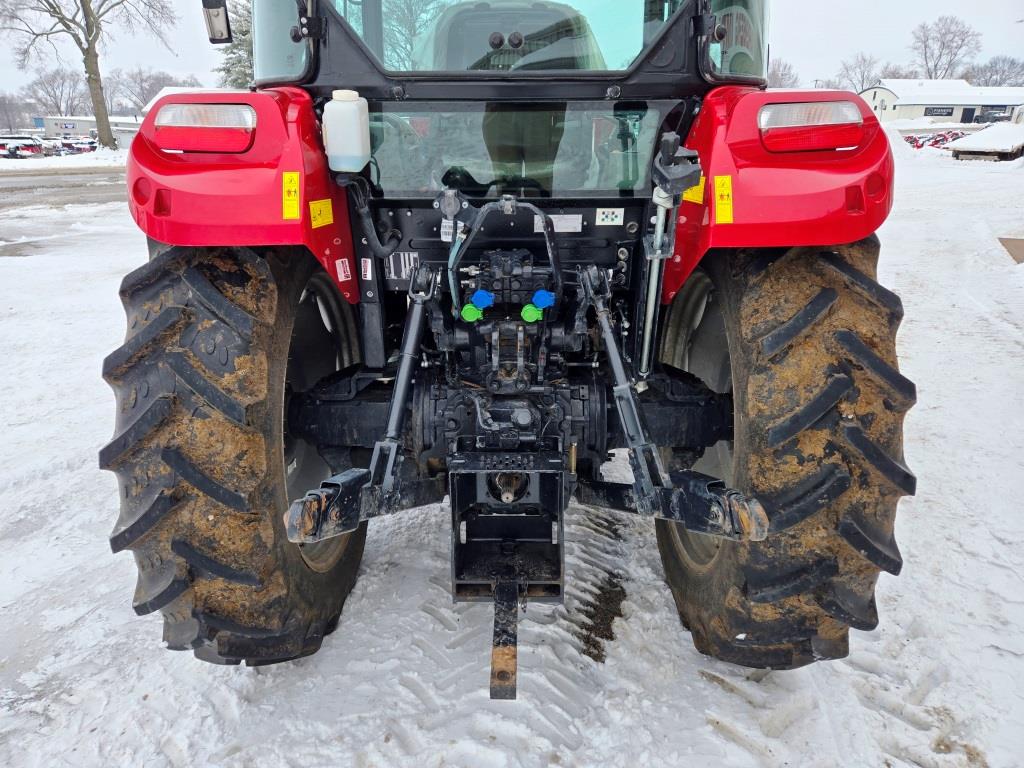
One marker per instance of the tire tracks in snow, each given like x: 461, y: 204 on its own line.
x: 555, y: 675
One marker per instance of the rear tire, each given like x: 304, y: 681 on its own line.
x: 805, y: 340
x: 200, y: 452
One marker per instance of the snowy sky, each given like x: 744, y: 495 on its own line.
x: 813, y: 35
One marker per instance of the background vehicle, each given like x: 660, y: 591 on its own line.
x: 993, y: 117
x: 565, y: 229
x: 999, y: 142
x: 20, y: 145
x: 53, y: 145
x: 941, y: 139
x: 79, y: 144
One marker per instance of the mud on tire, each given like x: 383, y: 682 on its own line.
x: 819, y: 408
x: 198, y: 452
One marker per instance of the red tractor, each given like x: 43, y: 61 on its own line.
x: 528, y: 236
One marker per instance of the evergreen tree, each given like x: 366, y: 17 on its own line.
x: 236, y: 68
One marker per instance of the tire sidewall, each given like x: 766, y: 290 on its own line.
x: 709, y: 586
x: 322, y: 592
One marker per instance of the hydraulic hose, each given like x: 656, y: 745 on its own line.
x: 358, y: 188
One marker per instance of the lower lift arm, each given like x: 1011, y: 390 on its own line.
x: 700, y: 503
x: 344, y: 501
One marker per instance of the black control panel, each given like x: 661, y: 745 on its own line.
x: 606, y: 232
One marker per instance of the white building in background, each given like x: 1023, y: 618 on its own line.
x: 123, y: 128
x: 950, y: 101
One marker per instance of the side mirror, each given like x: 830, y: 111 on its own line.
x: 218, y: 25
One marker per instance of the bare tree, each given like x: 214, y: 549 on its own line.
x: 781, y: 74
x: 943, y: 47
x: 57, y: 91
x: 830, y: 83
x: 113, y: 88
x: 404, y: 22
x: 899, y: 72
x: 14, y: 112
x: 86, y: 23
x: 138, y: 86
x: 236, y: 69
x: 999, y: 70
x: 859, y: 73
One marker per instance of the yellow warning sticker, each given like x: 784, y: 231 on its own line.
x: 723, y: 199
x: 695, y: 194
x: 321, y: 213
x: 290, y: 210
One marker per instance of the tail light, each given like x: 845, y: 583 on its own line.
x: 811, y: 126
x: 205, y: 127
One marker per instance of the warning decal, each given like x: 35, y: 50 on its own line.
x: 695, y: 194
x: 344, y: 270
x: 321, y: 213
x: 401, y: 265
x: 290, y: 210
x: 723, y: 200
x: 610, y: 217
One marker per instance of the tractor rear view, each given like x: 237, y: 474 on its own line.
x: 474, y: 265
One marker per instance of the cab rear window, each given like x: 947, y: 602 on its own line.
x: 513, y: 36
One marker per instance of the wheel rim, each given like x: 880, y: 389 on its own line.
x: 701, y: 347
x: 318, y: 330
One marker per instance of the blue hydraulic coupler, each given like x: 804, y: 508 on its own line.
x: 543, y: 299
x: 482, y: 299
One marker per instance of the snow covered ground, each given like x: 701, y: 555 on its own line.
x: 403, y: 682
x: 101, y: 158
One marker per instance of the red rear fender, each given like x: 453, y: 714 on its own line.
x: 276, y: 191
x: 754, y: 198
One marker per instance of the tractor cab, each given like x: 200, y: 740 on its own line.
x: 344, y: 42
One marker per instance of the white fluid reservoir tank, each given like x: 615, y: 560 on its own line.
x: 347, y: 132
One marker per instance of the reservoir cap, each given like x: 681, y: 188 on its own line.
x: 345, y: 95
